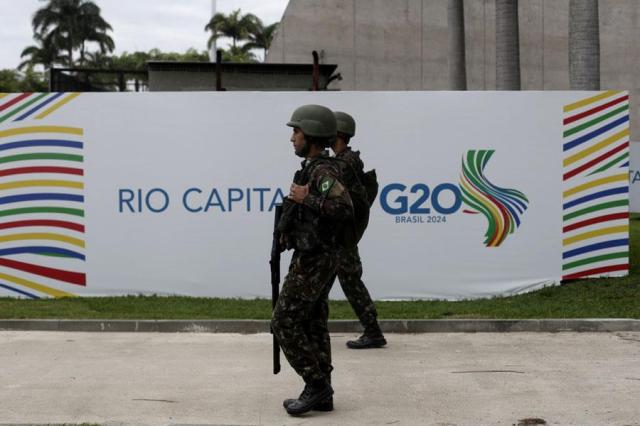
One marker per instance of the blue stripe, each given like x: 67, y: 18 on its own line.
x: 596, y: 246
x: 601, y: 194
x: 37, y: 107
x: 625, y: 165
x: 17, y: 290
x: 41, y: 250
x: 582, y: 139
x: 37, y: 197
x: 41, y: 142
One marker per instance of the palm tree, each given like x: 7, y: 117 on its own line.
x: 457, y: 62
x: 94, y: 29
x: 260, y: 36
x: 44, y: 53
x: 584, y: 45
x: 234, y: 26
x: 507, y: 45
x: 70, y: 24
x: 238, y: 54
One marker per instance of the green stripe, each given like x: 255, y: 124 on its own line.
x: 23, y: 106
x: 595, y: 121
x: 41, y: 156
x: 27, y: 210
x: 54, y: 255
x: 610, y: 163
x: 603, y: 206
x: 595, y: 259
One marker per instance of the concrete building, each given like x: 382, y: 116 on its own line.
x: 403, y: 44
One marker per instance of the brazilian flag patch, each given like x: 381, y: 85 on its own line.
x: 326, y: 184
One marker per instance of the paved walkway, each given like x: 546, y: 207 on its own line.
x: 201, y: 378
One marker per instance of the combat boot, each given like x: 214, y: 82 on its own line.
x: 366, y: 342
x: 326, y: 405
x: 311, y: 397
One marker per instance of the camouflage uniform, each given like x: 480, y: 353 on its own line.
x: 350, y: 266
x: 301, y: 314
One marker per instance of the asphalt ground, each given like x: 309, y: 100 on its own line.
x: 203, y: 378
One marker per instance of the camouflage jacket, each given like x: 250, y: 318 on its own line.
x: 316, y: 224
x: 353, y: 159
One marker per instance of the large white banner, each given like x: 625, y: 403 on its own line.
x: 482, y: 193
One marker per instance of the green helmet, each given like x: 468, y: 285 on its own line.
x: 315, y: 121
x: 346, y: 123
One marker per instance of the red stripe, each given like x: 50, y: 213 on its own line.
x: 57, y: 274
x: 594, y: 110
x: 54, y: 223
x: 597, y: 271
x: 41, y: 169
x: 595, y: 161
x: 594, y: 220
x: 469, y: 211
x: 14, y: 101
x: 499, y: 238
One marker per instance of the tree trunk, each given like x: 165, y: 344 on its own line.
x: 507, y: 45
x: 584, y: 45
x: 457, y: 61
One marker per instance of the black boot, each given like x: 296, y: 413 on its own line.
x: 326, y: 405
x: 312, y: 396
x: 365, y: 342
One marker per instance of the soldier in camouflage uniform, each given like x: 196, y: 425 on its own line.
x: 349, y: 263
x: 316, y: 207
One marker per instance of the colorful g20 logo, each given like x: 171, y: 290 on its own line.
x: 502, y: 207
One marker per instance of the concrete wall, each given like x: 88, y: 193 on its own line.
x: 402, y: 44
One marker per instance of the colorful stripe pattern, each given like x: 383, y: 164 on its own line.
x: 15, y: 107
x: 596, y: 186
x: 502, y: 207
x: 42, y: 244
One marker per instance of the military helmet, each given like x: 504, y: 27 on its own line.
x: 346, y: 123
x: 314, y: 120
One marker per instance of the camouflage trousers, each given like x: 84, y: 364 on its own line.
x: 350, y: 276
x: 300, y: 318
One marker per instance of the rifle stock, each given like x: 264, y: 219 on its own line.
x: 274, y: 263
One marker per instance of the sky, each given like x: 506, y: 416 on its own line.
x: 169, y: 25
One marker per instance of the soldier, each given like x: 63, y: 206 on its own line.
x: 349, y: 264
x: 312, y: 215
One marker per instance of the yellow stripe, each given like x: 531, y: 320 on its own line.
x: 28, y: 183
x: 57, y: 105
x: 596, y: 233
x: 597, y: 182
x: 35, y: 286
x: 590, y: 100
x: 497, y: 217
x: 2, y: 95
x: 42, y: 236
x: 40, y: 129
x: 608, y: 141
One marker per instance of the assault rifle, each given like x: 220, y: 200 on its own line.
x: 274, y: 262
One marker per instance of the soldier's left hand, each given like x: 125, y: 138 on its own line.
x: 298, y: 193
